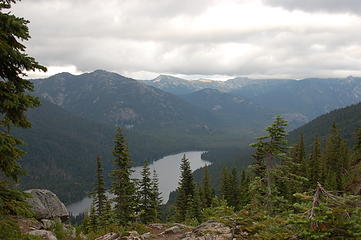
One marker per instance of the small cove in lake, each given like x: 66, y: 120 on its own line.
x: 168, y: 170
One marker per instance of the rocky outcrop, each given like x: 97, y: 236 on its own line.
x: 133, y: 235
x: 110, y: 236
x: 210, y: 230
x: 47, y: 235
x: 172, y: 230
x: 46, y: 205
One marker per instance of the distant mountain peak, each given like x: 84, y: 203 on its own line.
x: 164, y: 77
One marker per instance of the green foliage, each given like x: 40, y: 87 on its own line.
x: 14, y: 101
x: 146, y: 199
x: 185, y: 190
x: 271, y: 150
x: 156, y: 197
x: 218, y: 211
x: 206, y: 191
x: 122, y: 186
x: 100, y: 197
x: 9, y: 230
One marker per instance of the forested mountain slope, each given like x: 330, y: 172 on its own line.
x: 347, y: 119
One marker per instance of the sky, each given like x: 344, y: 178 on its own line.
x: 216, y: 39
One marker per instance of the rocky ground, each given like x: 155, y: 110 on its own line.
x: 210, y: 230
x: 50, y: 211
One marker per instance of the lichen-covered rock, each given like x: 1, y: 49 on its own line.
x: 46, y: 205
x: 134, y: 235
x: 110, y: 236
x: 47, y: 224
x: 172, y: 230
x: 146, y: 235
x: 210, y: 230
x: 47, y: 235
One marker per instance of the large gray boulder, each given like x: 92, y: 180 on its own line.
x: 46, y: 205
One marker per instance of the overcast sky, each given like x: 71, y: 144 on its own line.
x: 197, y: 38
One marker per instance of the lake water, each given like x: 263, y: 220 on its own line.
x: 168, y: 170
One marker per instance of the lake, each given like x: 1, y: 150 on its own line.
x: 168, y: 170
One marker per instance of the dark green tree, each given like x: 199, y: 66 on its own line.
x: 122, y: 186
x: 298, y: 157
x: 244, y: 189
x: 14, y: 101
x: 156, y: 196
x: 92, y: 223
x: 315, y: 165
x: 206, y: 191
x: 100, y: 198
x: 146, y: 204
x: 185, y: 190
x: 225, y: 186
x: 234, y: 188
x: 271, y: 150
x: 195, y: 210
x: 335, y: 157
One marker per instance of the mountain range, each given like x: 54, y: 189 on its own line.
x: 159, y: 117
x: 299, y: 100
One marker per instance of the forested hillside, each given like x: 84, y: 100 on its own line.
x: 347, y: 119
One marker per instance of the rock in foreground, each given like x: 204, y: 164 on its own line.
x: 46, y: 205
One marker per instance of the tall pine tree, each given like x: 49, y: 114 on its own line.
x: 100, y: 199
x: 185, y: 190
x: 122, y: 186
x: 206, y: 191
x: 156, y: 196
x: 335, y: 157
x: 315, y: 165
x: 14, y: 102
x: 270, y: 151
x: 146, y: 196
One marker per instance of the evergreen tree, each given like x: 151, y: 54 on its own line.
x: 244, y: 190
x: 270, y: 150
x: 156, y: 196
x: 206, y: 192
x: 14, y: 102
x: 354, y: 181
x: 233, y: 195
x: 92, y: 223
x: 107, y: 217
x: 146, y: 196
x: 298, y: 157
x: 122, y: 186
x: 195, y: 209
x: 99, y: 193
x: 225, y: 186
x: 315, y: 164
x: 335, y: 157
x: 185, y: 190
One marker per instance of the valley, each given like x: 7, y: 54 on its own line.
x: 220, y: 117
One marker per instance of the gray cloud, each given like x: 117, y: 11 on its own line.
x: 333, y: 6
x: 192, y: 37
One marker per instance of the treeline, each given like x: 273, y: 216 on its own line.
x: 288, y: 193
x: 134, y: 201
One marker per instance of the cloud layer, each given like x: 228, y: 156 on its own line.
x: 142, y: 38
